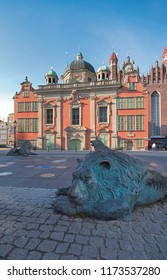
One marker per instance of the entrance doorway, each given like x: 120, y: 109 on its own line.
x: 49, y: 141
x: 129, y: 145
x: 75, y: 145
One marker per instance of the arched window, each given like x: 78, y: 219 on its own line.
x: 155, y: 114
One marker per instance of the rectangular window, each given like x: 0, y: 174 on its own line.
x: 140, y: 143
x: 75, y: 116
x: 130, y: 123
x: 130, y: 104
x: 102, y: 114
x: 20, y: 126
x: 34, y: 125
x: 34, y: 106
x: 27, y: 106
x: 139, y: 102
x: 27, y: 125
x: 121, y: 103
x: 20, y: 106
x: 139, y: 122
x: 26, y: 93
x: 121, y: 123
x: 132, y: 86
x: 49, y: 116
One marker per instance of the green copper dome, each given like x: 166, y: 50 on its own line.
x: 103, y: 68
x: 51, y: 72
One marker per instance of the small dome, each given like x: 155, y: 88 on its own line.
x: 51, y: 77
x: 79, y: 56
x: 51, y: 72
x: 103, y: 68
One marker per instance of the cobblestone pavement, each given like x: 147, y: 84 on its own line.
x: 30, y: 229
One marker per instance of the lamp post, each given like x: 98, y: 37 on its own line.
x: 14, y: 125
x: 7, y: 135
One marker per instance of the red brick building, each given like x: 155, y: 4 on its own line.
x: 109, y: 104
x: 26, y: 114
x: 156, y: 83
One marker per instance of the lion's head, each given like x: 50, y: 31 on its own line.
x: 102, y: 176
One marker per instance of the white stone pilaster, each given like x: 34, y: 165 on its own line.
x: 59, y: 124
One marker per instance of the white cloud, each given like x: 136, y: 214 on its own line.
x: 6, y: 108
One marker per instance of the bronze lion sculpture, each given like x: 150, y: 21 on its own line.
x: 23, y: 150
x: 108, y: 184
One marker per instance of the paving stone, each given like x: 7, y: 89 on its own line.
x: 47, y: 246
x: 125, y: 245
x: 75, y: 228
x: 33, y: 233
x: 85, y: 231
x: 82, y: 239
x: 21, y: 241
x: 69, y: 238
x: 51, y: 256
x: 5, y: 249
x: 18, y: 254
x: 75, y: 249
x: 68, y: 257
x: 32, y: 243
x: 45, y: 234
x: 124, y: 255
x: 138, y: 255
x: 32, y: 226
x: 57, y: 236
x: 62, y: 248
x: 46, y: 227
x: 60, y: 228
x: 7, y: 239
x: 89, y: 251
x: 96, y: 241
x: 108, y: 254
x: 33, y: 255
x: 111, y: 244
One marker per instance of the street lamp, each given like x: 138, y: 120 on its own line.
x: 14, y: 125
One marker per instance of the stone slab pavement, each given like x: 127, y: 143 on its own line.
x: 31, y: 230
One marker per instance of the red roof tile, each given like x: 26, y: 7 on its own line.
x: 113, y: 56
x: 165, y: 50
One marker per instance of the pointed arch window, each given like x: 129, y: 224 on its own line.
x: 155, y: 114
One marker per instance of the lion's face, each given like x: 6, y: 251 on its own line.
x: 100, y: 177
x: 83, y: 183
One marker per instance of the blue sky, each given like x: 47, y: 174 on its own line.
x: 37, y: 34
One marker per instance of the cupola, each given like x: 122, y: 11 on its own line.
x: 51, y: 77
x: 103, y: 73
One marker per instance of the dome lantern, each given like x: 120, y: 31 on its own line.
x: 51, y: 77
x: 103, y: 73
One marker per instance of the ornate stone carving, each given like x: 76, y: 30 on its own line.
x: 108, y: 184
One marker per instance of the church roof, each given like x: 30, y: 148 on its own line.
x: 113, y: 56
x: 80, y: 64
x: 165, y: 51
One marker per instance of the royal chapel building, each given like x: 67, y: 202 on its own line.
x: 115, y: 105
